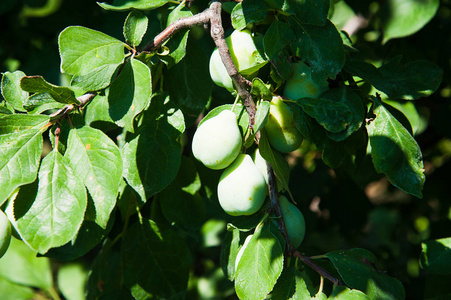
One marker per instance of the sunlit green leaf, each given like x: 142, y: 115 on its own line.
x: 11, y: 90
x: 135, y: 27
x: 122, y: 5
x: 247, y: 12
x: 20, y: 150
x: 96, y: 160
x: 82, y: 50
x: 37, y: 84
x: 53, y: 216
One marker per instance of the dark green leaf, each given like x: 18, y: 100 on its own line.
x: 277, y: 161
x: 156, y: 261
x: 53, y: 217
x: 122, y: 5
x: 135, y: 27
x: 405, y: 17
x: 308, y: 11
x: 177, y: 43
x: 189, y: 82
x: 260, y: 89
x: 277, y: 39
x: 339, y: 111
x: 20, y: 150
x: 98, y: 110
x: 395, y: 152
x: 11, y: 90
x: 260, y: 266
x: 96, y: 160
x: 37, y: 84
x: 247, y: 12
x: 152, y: 158
x: 320, y: 46
x: 82, y: 50
x: 21, y: 266
x: 180, y: 202
x: 97, y: 79
x: 345, y: 293
x: 436, y: 256
x: 130, y: 93
x: 291, y: 285
x: 411, y: 81
x: 356, y: 268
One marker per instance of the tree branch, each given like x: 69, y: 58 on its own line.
x: 84, y: 99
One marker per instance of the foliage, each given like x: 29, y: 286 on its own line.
x: 103, y: 193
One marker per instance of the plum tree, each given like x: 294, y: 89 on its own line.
x: 244, y: 55
x: 5, y: 233
x: 241, y: 188
x: 217, y: 141
x: 294, y: 221
x: 301, y: 84
x: 280, y: 127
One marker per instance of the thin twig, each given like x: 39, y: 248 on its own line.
x: 83, y: 99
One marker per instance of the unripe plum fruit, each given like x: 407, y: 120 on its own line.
x: 217, y: 141
x: 241, y: 47
x: 280, y: 127
x: 241, y: 188
x: 5, y: 233
x: 294, y: 221
x: 301, y: 84
x: 260, y: 162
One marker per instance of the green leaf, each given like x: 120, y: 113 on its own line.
x: 21, y: 266
x: 339, y: 111
x: 262, y: 115
x: 152, y: 157
x: 277, y: 161
x: 401, y: 18
x: 229, y: 250
x: 53, y: 217
x: 345, y: 293
x: 135, y: 27
x: 356, y: 268
x: 247, y: 12
x: 320, y: 46
x: 395, y: 152
x: 308, y: 11
x: 276, y: 41
x: 96, y: 80
x: 123, y: 5
x: 177, y: 43
x: 291, y: 285
x: 190, y: 84
x: 436, y: 256
x: 260, y: 89
x: 180, y: 202
x: 89, y: 236
x: 71, y: 281
x: 411, y: 81
x: 40, y: 102
x: 12, y: 291
x: 97, y: 161
x: 260, y: 266
x: 156, y: 261
x: 130, y: 93
x: 20, y: 150
x: 98, y: 111
x: 37, y: 84
x: 11, y: 90
x: 82, y: 50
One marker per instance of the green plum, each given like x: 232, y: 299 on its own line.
x: 294, y: 221
x: 241, y: 188
x: 260, y: 162
x: 242, y: 49
x: 301, y: 84
x: 280, y: 127
x: 5, y: 233
x: 217, y: 141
